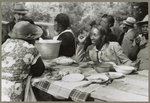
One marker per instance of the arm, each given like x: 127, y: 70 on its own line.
x: 135, y: 48
x: 127, y: 46
x: 37, y: 65
x: 133, y: 55
x: 38, y: 68
x: 81, y: 54
x: 123, y: 59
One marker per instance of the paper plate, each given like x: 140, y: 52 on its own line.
x: 73, y: 77
x: 115, y: 75
x: 98, y: 78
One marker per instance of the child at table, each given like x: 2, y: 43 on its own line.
x: 101, y: 49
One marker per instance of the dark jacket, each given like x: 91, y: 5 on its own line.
x: 8, y: 28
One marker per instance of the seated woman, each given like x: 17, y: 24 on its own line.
x: 65, y: 34
x: 101, y: 50
x: 20, y: 58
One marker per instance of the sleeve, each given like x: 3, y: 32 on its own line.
x: 135, y: 49
x: 127, y: 45
x: 37, y: 66
x: 81, y: 54
x: 121, y: 56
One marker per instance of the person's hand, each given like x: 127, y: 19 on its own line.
x: 82, y: 38
x: 138, y: 40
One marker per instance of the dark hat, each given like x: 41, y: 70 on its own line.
x: 26, y: 30
x: 20, y: 8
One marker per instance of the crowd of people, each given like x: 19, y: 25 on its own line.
x: 98, y: 42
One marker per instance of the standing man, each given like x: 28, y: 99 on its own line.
x: 19, y: 14
x: 129, y: 36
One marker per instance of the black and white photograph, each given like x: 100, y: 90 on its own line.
x: 74, y: 51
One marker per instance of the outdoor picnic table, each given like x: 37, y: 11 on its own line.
x: 131, y: 88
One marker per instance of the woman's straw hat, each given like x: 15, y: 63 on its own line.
x: 26, y: 30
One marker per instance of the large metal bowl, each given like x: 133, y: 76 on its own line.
x: 49, y: 49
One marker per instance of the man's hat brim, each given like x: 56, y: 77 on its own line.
x: 129, y: 24
x: 20, y: 11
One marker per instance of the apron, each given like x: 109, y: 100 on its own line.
x: 68, y: 30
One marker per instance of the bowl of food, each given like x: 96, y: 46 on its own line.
x: 103, y: 67
x: 49, y: 49
x: 124, y: 69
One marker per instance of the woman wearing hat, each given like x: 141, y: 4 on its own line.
x: 129, y: 36
x: 140, y: 45
x: 20, y: 58
x: 65, y: 34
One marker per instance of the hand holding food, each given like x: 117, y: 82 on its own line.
x: 82, y: 38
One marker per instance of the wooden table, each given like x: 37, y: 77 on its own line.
x: 132, y: 88
x: 129, y: 89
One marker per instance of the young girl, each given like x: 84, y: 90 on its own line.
x: 101, y: 50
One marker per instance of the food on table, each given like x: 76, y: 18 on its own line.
x: 63, y: 73
x: 88, y: 71
x: 86, y: 64
x: 64, y: 60
x: 74, y: 77
x: 56, y: 77
x: 66, y: 71
x: 49, y: 63
x: 115, y: 75
x: 98, y: 78
x: 103, y: 67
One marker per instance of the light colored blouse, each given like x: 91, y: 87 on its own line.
x: 110, y: 52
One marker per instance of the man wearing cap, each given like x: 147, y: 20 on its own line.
x: 140, y: 45
x: 19, y: 15
x: 129, y: 36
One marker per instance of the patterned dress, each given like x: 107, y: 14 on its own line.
x: 17, y: 58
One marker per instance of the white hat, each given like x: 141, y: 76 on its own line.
x: 130, y: 21
x: 145, y: 20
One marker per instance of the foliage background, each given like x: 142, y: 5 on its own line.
x: 80, y: 13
